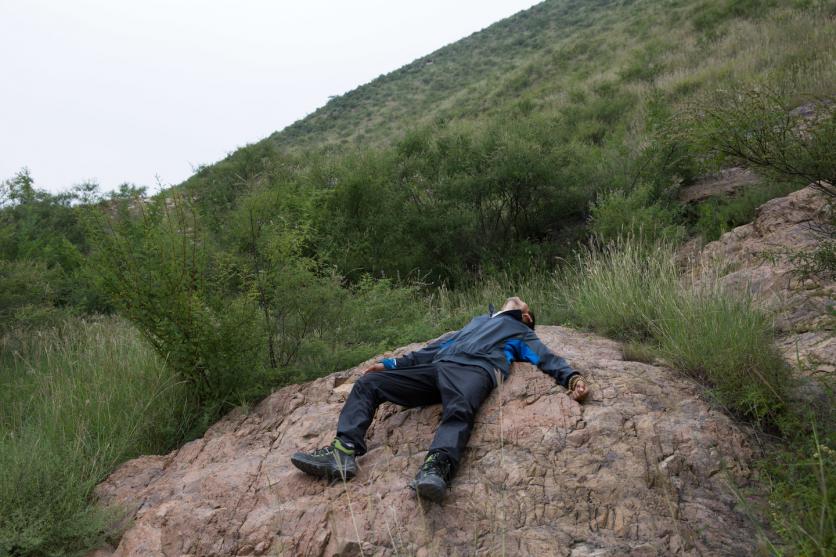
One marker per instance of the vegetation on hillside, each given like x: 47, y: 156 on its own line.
x: 557, y: 56
x: 399, y: 210
x: 76, y: 400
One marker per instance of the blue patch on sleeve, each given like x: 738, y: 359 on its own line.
x: 509, y: 353
x: 389, y: 363
x: 517, y: 350
x: 529, y: 355
x: 512, y: 350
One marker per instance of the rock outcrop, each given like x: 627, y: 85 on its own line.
x: 723, y: 183
x: 644, y: 468
x: 762, y: 257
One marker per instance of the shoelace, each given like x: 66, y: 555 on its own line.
x: 435, y: 464
x: 324, y: 451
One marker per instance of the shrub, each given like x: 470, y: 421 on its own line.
x: 819, y: 263
x: 761, y: 128
x: 634, y: 214
x: 27, y: 297
x: 714, y: 217
x: 159, y: 272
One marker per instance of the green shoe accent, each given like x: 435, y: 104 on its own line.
x: 432, y: 479
x: 342, y: 448
x: 327, y: 462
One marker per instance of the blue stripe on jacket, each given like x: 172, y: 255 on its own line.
x: 490, y: 342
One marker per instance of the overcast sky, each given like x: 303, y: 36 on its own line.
x: 116, y: 91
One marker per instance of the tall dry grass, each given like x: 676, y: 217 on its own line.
x: 75, y: 401
x: 635, y: 292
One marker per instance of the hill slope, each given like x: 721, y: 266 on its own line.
x: 554, y: 53
x: 500, y: 143
x: 642, y: 468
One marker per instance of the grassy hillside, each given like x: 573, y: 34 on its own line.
x: 562, y: 53
x: 494, y: 151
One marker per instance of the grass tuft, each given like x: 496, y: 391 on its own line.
x: 75, y: 401
x: 637, y: 293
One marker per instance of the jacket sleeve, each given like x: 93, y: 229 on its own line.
x: 535, y: 352
x: 421, y: 356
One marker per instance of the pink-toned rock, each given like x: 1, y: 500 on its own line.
x: 758, y: 257
x: 646, y: 467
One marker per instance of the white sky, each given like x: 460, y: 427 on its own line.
x: 116, y: 91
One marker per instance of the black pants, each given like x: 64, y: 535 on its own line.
x: 460, y: 390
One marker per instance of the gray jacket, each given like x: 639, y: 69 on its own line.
x: 490, y: 342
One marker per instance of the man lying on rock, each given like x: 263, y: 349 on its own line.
x: 457, y: 370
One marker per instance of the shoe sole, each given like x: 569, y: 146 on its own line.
x: 320, y: 470
x: 432, y: 489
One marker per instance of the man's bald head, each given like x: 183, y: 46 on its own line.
x: 515, y: 302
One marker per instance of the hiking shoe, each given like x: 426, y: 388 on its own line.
x: 431, y: 480
x: 335, y: 461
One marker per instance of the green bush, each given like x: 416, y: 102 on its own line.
x: 75, y: 401
x: 819, y: 263
x: 42, y: 249
x: 158, y: 270
x: 634, y: 214
x: 27, y: 296
x: 764, y: 128
x: 351, y: 324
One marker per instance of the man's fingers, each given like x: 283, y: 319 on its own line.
x: 579, y: 392
x: 375, y: 367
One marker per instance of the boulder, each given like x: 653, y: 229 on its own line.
x: 645, y: 467
x: 761, y: 257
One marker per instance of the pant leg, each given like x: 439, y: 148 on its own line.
x: 408, y: 386
x: 463, y: 390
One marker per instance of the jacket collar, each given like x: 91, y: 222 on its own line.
x: 512, y: 313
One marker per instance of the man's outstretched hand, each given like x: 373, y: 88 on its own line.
x: 579, y: 391
x: 374, y: 367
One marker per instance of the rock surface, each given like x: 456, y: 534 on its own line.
x: 759, y: 257
x: 723, y: 183
x: 644, y: 468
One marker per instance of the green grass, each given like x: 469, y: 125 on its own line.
x: 802, y: 501
x: 630, y: 291
x: 75, y: 401
x: 614, y: 289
